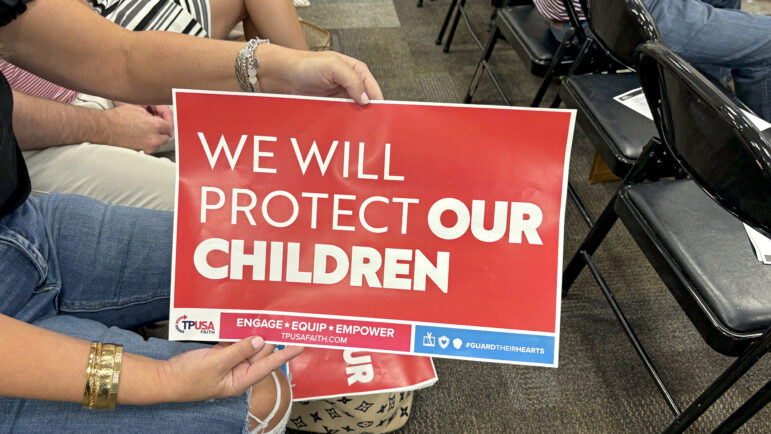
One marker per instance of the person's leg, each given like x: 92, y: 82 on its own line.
x: 272, y: 19
x: 725, y: 4
x: 114, y: 262
x: 108, y: 173
x: 116, y: 175
x: 225, y: 14
x: 558, y: 29
x: 72, y: 254
x: 276, y: 20
x: 271, y: 400
x: 710, y: 37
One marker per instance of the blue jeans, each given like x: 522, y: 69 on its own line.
x: 719, y: 39
x: 79, y: 267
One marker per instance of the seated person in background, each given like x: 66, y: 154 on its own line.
x: 64, y: 146
x: 113, y: 174
x: 713, y: 35
x: 77, y: 270
x: 273, y: 19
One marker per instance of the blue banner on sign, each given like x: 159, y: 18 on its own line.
x: 484, y: 344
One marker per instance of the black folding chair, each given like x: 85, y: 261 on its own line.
x: 455, y: 12
x: 528, y: 32
x: 617, y: 133
x: 691, y: 229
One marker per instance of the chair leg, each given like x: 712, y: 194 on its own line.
x: 446, y: 21
x: 555, y: 103
x: 493, y: 21
x: 639, y: 171
x: 555, y: 61
x: 593, y: 239
x: 454, y: 26
x: 580, y: 205
x: 746, y: 411
x: 576, y: 63
x: 420, y: 3
x: 472, y: 88
x: 715, y: 390
x: 580, y: 56
x: 474, y: 37
x: 633, y: 339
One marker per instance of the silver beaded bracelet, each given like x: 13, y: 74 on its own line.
x: 246, y: 65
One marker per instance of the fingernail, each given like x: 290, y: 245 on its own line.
x: 364, y: 98
x: 257, y: 342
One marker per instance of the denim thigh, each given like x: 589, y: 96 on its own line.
x: 79, y: 267
x: 721, y: 38
x: 67, y: 254
x: 703, y: 34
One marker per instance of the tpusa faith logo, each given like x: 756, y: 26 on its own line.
x: 183, y: 324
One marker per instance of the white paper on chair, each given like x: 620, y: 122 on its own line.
x: 761, y: 244
x: 635, y: 100
x: 760, y: 123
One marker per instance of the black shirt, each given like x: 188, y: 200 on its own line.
x: 14, y: 179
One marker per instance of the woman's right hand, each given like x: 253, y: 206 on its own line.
x: 311, y: 73
x: 226, y: 369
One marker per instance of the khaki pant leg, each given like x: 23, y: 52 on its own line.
x: 111, y: 174
x: 379, y: 413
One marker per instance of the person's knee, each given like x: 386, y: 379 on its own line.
x: 225, y: 14
x: 266, y: 399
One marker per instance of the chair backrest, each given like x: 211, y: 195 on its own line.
x: 714, y: 141
x: 620, y: 26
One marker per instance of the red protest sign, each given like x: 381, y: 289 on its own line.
x: 326, y: 373
x: 401, y: 227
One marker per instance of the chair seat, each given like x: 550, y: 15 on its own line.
x: 617, y: 132
x: 529, y: 34
x: 711, y: 248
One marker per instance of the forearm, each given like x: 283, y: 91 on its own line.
x: 140, y: 67
x: 40, y: 123
x: 39, y: 364
x: 101, y: 58
x: 175, y: 62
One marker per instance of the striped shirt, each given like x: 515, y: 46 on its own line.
x: 31, y: 84
x: 191, y: 17
x: 555, y: 9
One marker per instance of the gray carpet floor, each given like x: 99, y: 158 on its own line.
x: 600, y: 385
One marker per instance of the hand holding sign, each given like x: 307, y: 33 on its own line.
x: 315, y: 73
x: 221, y: 371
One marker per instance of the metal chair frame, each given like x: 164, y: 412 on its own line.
x: 559, y: 63
x: 657, y: 156
x: 502, y: 30
x: 458, y: 8
x: 623, y: 25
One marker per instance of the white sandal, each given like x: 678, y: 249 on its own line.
x: 261, y: 425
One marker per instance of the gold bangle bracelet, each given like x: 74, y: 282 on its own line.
x: 104, y: 376
x: 118, y: 362
x: 92, y: 379
x: 89, y: 370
